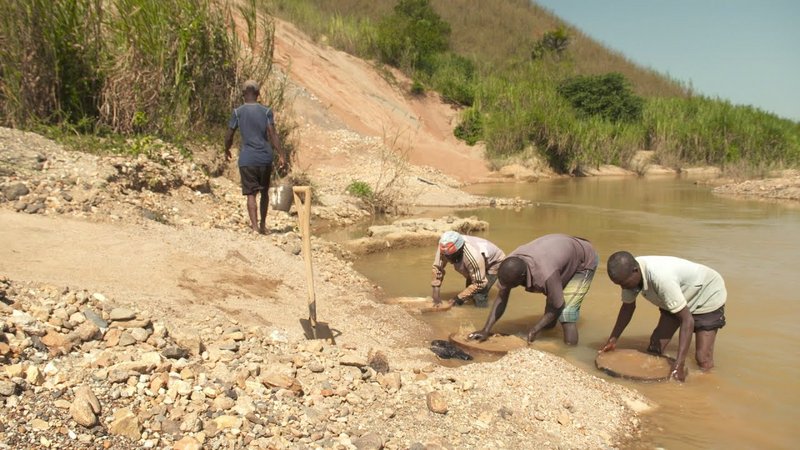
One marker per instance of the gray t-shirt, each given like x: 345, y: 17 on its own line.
x: 553, y: 260
x: 252, y: 120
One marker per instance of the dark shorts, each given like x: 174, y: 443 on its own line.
x: 255, y: 178
x: 705, y: 322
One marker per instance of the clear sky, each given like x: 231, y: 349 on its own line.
x: 744, y: 51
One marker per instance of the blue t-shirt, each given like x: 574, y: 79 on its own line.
x: 252, y: 120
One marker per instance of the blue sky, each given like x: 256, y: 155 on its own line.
x: 744, y: 51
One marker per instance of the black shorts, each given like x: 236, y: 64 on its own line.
x: 710, y: 321
x: 255, y: 178
x: 703, y: 322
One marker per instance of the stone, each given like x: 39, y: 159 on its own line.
x: 14, y: 370
x: 120, y: 314
x: 436, y: 402
x: 174, y: 352
x: 354, y: 360
x: 126, y: 339
x: 564, y: 419
x: 224, y: 422
x: 84, y: 392
x: 57, y: 341
x: 14, y: 191
x: 125, y: 423
x: 8, y: 388
x: 34, y: 376
x: 39, y: 424
x: 187, y: 443
x: 369, y: 441
x: 390, y: 380
x: 82, y: 413
x: 139, y: 334
x: 94, y: 318
x: 378, y: 361
x: 86, y: 331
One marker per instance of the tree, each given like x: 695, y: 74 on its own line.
x: 412, y: 34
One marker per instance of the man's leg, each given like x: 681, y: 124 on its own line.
x: 251, y: 211
x: 574, y: 293
x: 263, y: 207
x: 705, y: 348
x: 668, y: 324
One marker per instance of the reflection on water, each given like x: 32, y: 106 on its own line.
x: 750, y: 400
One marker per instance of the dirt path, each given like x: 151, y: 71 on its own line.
x: 163, y: 270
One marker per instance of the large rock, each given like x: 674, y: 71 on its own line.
x: 14, y: 191
x: 187, y: 443
x: 120, y: 314
x: 125, y: 423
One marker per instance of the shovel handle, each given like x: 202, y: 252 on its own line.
x: 302, y: 202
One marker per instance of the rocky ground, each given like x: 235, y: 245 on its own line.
x: 783, y: 186
x: 180, y: 356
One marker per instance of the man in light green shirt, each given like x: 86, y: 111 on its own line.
x: 691, y: 298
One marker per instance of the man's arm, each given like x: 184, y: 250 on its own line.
x: 272, y: 135
x: 555, y: 303
x: 684, y: 338
x: 498, y: 308
x: 623, y: 319
x: 228, y: 142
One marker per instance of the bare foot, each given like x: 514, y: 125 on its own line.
x: 263, y: 230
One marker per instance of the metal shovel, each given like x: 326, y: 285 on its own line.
x: 312, y: 328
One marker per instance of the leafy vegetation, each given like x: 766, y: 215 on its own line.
x: 608, y: 96
x: 532, y: 82
x: 130, y: 67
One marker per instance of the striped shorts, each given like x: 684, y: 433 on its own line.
x: 574, y: 292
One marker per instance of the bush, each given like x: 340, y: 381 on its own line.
x: 553, y: 42
x: 454, y: 77
x: 608, y: 96
x: 413, y: 33
x: 360, y: 189
x: 470, y: 130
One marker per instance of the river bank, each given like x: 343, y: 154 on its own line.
x: 206, y: 326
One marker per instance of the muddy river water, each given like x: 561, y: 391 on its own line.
x: 752, y: 397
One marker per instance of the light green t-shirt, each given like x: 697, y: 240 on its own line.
x: 674, y: 283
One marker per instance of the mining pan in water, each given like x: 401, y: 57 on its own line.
x: 634, y: 365
x: 496, y: 343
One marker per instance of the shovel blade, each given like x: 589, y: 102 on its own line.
x: 321, y: 331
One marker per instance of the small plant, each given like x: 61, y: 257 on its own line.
x: 470, y: 130
x: 417, y: 88
x: 553, y: 42
x: 360, y: 189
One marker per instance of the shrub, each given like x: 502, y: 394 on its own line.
x: 470, y: 129
x: 410, y: 35
x: 553, y: 42
x: 454, y: 77
x: 608, y: 96
x: 360, y: 189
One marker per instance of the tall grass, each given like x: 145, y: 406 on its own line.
x: 516, y: 100
x: 170, y: 68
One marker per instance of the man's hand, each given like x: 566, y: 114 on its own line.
x: 532, y: 334
x: 456, y: 301
x: 479, y: 336
x: 610, y: 346
x: 228, y: 155
x: 678, y: 372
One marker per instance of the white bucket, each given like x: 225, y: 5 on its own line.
x: 280, y: 197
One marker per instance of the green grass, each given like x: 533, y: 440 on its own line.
x: 516, y: 102
x: 133, y: 68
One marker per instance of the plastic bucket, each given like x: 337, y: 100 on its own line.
x: 280, y: 197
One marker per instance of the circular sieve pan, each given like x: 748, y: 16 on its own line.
x: 497, y: 343
x: 634, y: 365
